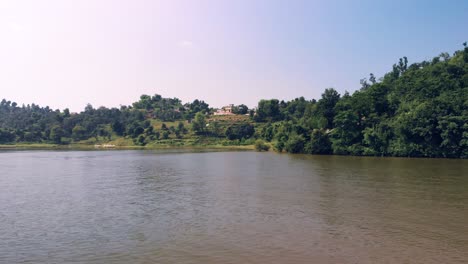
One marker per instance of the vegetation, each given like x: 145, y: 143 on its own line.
x: 417, y: 110
x: 260, y: 145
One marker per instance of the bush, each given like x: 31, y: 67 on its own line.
x: 240, y: 131
x: 279, y: 146
x: 261, y: 146
x: 165, y: 135
x: 295, y: 144
x: 319, y: 143
x: 6, y: 136
x: 140, y: 141
x: 79, y: 133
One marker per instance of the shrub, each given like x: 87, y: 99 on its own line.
x: 165, y: 135
x: 240, y: 131
x: 261, y: 146
x: 279, y: 146
x: 295, y: 144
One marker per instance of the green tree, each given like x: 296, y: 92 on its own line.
x: 6, y: 136
x: 240, y: 109
x: 56, y: 134
x: 165, y: 134
x: 268, y: 110
x: 199, y: 123
x: 141, y: 140
x: 79, y: 133
x: 260, y: 145
x: 242, y: 131
x: 215, y: 128
x: 326, y: 105
x: 346, y: 134
x: 295, y: 144
x: 181, y: 128
x: 118, y: 127
x: 319, y: 143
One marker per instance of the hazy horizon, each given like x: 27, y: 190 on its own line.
x: 65, y: 54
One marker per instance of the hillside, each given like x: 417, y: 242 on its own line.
x: 415, y: 110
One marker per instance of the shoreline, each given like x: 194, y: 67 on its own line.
x: 86, y: 147
x: 117, y: 147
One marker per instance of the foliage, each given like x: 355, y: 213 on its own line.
x: 56, y: 134
x: 415, y: 110
x: 78, y: 133
x: 240, y: 109
x: 268, y: 110
x: 199, y: 123
x: 319, y: 143
x: 242, y: 131
x: 260, y: 145
x: 295, y: 144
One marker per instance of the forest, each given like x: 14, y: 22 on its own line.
x: 414, y: 110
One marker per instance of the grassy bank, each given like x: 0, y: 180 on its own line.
x: 186, y: 140
x: 47, y: 146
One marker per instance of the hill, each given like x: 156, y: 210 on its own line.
x: 415, y: 110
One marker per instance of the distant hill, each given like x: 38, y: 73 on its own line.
x: 415, y: 110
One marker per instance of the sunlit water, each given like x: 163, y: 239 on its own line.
x: 230, y: 207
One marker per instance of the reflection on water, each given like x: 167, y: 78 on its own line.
x: 230, y: 207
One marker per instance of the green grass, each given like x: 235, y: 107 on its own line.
x: 189, y: 140
x: 192, y: 141
x: 29, y: 145
x: 160, y: 145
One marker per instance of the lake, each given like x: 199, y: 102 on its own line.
x: 230, y: 207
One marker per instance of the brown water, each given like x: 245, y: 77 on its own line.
x: 230, y: 207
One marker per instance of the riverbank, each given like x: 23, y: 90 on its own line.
x: 120, y: 147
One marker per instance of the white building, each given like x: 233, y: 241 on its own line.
x: 225, y: 110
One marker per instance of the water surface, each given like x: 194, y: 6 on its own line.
x: 230, y: 207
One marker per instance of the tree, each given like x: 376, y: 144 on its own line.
x: 181, y: 127
x: 79, y: 133
x: 66, y: 113
x: 326, y: 105
x: 243, y: 131
x: 141, y: 140
x: 157, y: 135
x: 260, y: 145
x: 319, y: 143
x: 118, y: 127
x: 165, y: 134
x: 195, y: 107
x: 215, y: 128
x: 240, y: 109
x: 267, y: 132
x: 346, y: 133
x: 295, y: 144
x: 6, y: 136
x: 268, y: 110
x: 199, y: 123
x: 56, y: 134
x: 417, y: 110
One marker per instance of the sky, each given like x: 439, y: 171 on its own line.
x: 68, y: 53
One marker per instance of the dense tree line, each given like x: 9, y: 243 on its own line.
x: 32, y: 123
x: 417, y: 110
x: 170, y: 109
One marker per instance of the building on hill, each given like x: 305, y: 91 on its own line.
x: 225, y: 110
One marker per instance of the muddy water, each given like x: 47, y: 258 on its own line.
x: 230, y: 207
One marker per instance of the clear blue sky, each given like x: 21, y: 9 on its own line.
x: 65, y: 53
